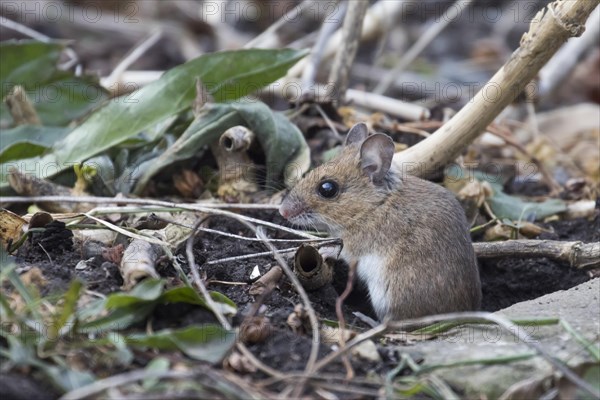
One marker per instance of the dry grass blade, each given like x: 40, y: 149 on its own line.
x: 124, y: 200
x: 230, y: 386
x: 131, y: 58
x: 122, y: 379
x: 342, y: 322
x: 127, y: 233
x: 214, y: 208
x: 266, y: 253
x: 196, y: 276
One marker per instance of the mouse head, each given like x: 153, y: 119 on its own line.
x: 339, y: 192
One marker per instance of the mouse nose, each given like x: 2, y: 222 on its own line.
x: 289, y: 210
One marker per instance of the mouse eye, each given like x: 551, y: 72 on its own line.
x: 328, y: 189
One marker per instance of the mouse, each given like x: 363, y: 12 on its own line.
x: 409, y: 237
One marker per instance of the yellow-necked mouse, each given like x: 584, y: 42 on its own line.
x: 409, y: 236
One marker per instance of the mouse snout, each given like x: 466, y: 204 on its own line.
x: 289, y: 209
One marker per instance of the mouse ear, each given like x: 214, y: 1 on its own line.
x: 357, y: 133
x: 376, y: 155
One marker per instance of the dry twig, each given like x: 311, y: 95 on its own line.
x: 268, y: 39
x: 329, y: 26
x: 577, y: 254
x: 351, y: 31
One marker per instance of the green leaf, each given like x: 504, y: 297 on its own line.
x: 517, y: 209
x: 65, y: 378
x: 27, y: 62
x: 126, y: 309
x: 119, y: 318
x: 68, y: 309
x: 20, y: 353
x: 226, y: 305
x: 201, y: 342
x: 28, y: 141
x: 58, y: 96
x: 227, y: 75
x: 281, y: 141
x: 186, y: 294
x: 122, y: 353
x: 146, y: 291
x: 183, y: 294
x: 31, y: 297
x: 159, y: 364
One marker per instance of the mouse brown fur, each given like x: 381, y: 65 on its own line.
x: 409, y: 236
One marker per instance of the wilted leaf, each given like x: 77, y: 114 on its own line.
x: 206, y: 342
x: 512, y: 207
x: 282, y: 142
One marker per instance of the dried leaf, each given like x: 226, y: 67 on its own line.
x: 11, y: 227
x: 255, y: 329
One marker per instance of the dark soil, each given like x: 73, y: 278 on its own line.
x: 511, y: 280
x: 505, y: 282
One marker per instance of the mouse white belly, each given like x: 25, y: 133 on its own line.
x: 370, y: 271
